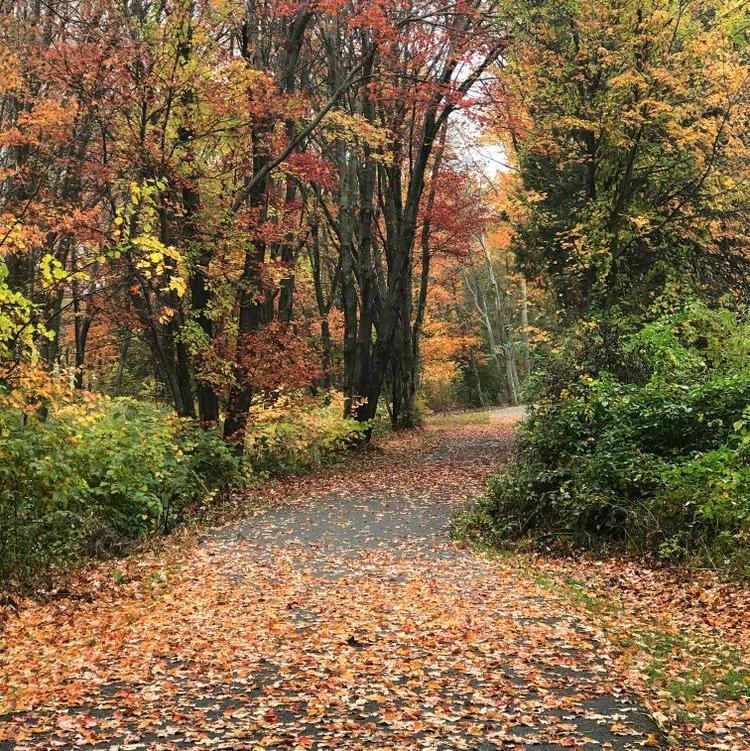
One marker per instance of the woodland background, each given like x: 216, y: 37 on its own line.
x: 238, y: 238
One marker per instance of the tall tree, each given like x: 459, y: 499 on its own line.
x: 632, y: 147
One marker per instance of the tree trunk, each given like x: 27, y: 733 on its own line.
x: 525, y: 329
x: 511, y: 375
x: 254, y: 300
x: 410, y: 417
x: 251, y: 308
x: 368, y: 290
x: 81, y: 325
x: 121, y: 364
x: 407, y: 370
x: 475, y: 371
x: 200, y: 293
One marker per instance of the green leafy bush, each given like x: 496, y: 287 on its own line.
x: 657, y: 464
x: 83, y: 476
x: 289, y: 436
x: 87, y: 476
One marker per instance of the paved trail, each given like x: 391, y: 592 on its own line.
x: 345, y: 619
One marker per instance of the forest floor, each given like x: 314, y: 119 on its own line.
x: 340, y: 615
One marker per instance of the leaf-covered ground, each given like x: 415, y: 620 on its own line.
x: 341, y: 616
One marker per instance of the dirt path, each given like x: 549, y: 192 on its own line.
x: 345, y: 619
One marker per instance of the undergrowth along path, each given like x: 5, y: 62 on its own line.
x: 341, y: 617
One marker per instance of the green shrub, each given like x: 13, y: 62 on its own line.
x: 657, y: 464
x: 84, y: 476
x: 287, y: 436
x: 89, y: 476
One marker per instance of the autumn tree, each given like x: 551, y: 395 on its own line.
x: 427, y: 65
x: 631, y: 136
x: 216, y: 187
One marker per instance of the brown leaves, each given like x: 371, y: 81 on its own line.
x: 684, y: 637
x: 343, y: 620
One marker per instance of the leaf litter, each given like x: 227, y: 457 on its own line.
x: 340, y: 617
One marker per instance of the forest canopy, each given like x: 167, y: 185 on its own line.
x: 222, y: 201
x: 275, y: 222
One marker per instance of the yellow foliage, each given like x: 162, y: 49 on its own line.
x: 293, y: 432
